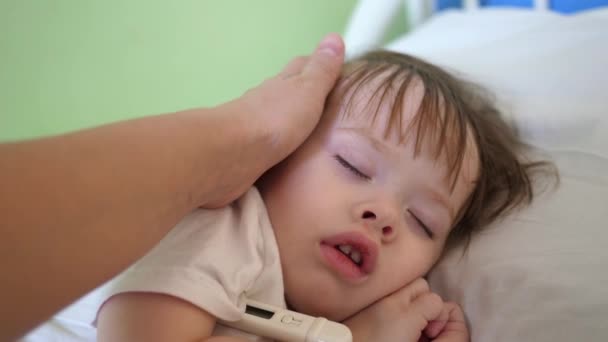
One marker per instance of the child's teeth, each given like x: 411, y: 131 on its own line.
x: 355, y: 256
x: 345, y: 249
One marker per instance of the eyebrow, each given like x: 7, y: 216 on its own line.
x: 381, y: 147
x: 374, y: 142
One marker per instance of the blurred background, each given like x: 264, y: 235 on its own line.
x: 70, y: 64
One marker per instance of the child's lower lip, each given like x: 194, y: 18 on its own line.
x: 340, y: 263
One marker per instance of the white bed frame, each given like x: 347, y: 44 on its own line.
x: 371, y: 18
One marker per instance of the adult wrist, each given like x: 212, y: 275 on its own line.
x: 236, y: 148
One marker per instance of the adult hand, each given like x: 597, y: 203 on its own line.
x: 284, y: 109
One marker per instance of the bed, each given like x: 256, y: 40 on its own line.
x: 541, y: 273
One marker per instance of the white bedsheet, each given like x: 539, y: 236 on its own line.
x: 73, y: 324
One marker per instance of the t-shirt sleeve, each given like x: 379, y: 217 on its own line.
x: 209, y: 259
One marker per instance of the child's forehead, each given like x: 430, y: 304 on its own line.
x: 377, y: 106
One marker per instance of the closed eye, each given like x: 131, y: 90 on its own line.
x: 424, y: 227
x: 351, y: 168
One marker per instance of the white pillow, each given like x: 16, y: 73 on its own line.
x: 542, y: 273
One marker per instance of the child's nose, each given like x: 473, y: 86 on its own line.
x: 381, y: 221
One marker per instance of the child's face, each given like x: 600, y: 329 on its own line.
x: 349, y: 187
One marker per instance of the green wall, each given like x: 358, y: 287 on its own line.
x: 68, y: 64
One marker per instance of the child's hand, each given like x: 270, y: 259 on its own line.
x: 411, y: 314
x: 450, y: 327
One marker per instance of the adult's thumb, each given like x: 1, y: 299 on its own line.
x: 323, y: 67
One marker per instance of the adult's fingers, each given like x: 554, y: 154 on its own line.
x: 323, y: 67
x: 294, y: 67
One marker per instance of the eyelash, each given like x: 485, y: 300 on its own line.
x: 360, y: 174
x: 351, y: 168
x: 426, y: 229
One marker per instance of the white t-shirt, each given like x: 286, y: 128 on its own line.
x: 214, y: 259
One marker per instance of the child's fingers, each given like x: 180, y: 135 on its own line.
x: 423, y: 310
x: 455, y: 312
x: 407, y: 294
x: 455, y: 330
x: 436, y: 326
x: 410, y: 292
x: 424, y: 338
x: 417, y: 288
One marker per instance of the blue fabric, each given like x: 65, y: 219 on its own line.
x: 572, y: 6
x: 508, y: 3
x: 562, y: 6
x: 445, y: 4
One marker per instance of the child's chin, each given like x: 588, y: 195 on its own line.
x: 317, y: 307
x: 330, y: 313
x: 318, y: 295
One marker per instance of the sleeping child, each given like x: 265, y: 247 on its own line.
x: 406, y: 162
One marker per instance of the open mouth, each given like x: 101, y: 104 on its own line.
x: 352, y: 255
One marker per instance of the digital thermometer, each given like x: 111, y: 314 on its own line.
x: 289, y: 326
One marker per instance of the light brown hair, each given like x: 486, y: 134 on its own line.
x: 451, y: 111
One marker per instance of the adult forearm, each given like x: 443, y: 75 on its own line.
x: 226, y: 339
x: 98, y: 199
